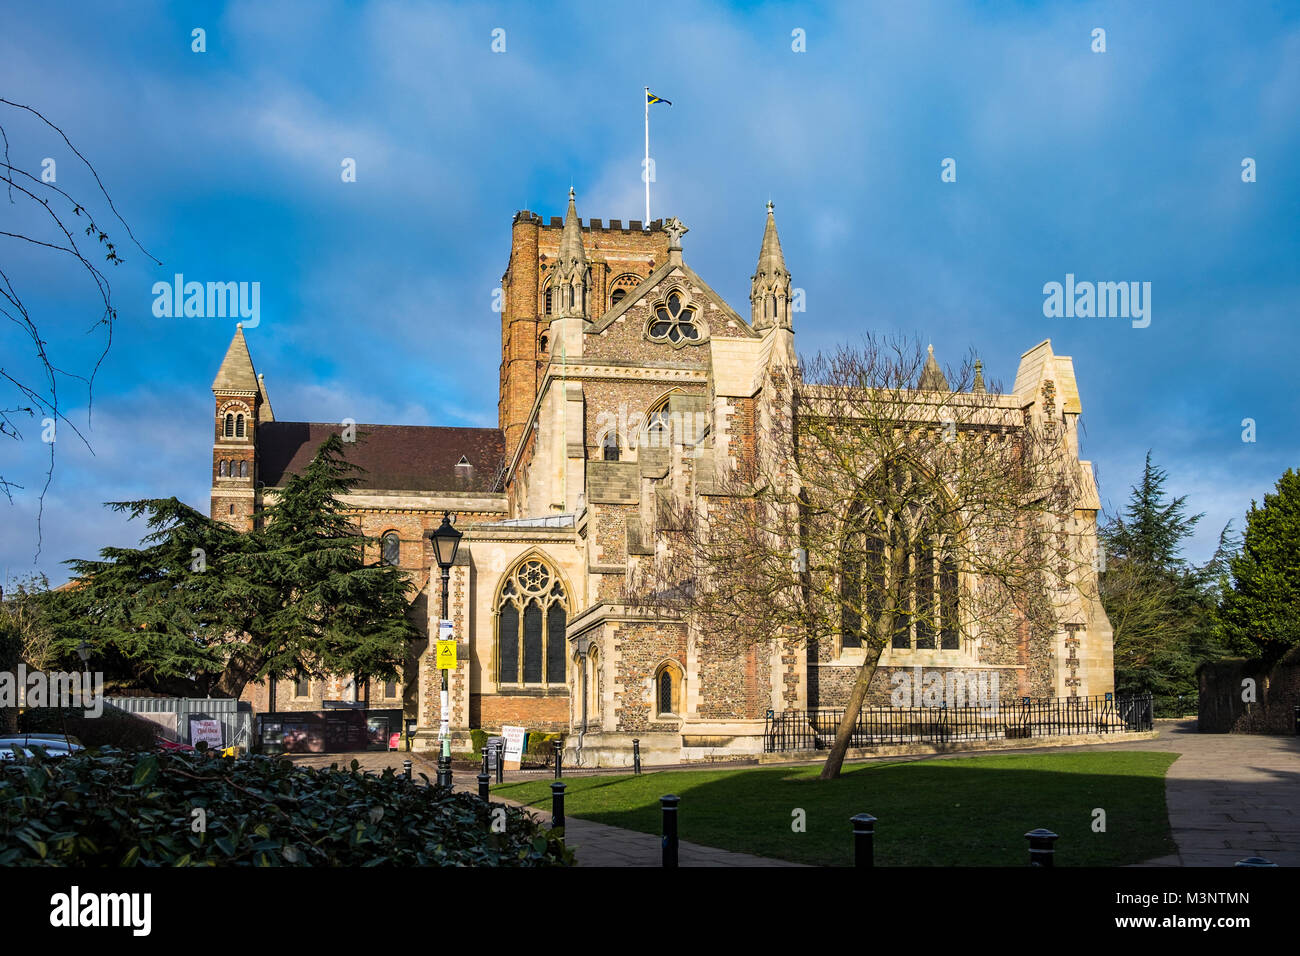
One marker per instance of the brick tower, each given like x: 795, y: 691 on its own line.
x: 617, y: 258
x: 240, y: 401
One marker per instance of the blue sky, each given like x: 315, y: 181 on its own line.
x: 376, y: 296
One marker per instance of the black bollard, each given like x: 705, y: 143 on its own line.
x: 483, y: 779
x: 501, y: 762
x: 669, y: 805
x: 557, y: 805
x: 444, y: 771
x: 864, y: 833
x: 559, y: 759
x: 485, y: 761
x: 636, y: 755
x: 406, y: 769
x: 1042, y: 849
x: 1254, y: 861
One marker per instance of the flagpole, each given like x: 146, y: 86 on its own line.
x: 645, y: 170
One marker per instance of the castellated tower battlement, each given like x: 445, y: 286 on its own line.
x: 619, y: 256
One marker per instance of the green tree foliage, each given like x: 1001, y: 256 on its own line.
x: 201, y: 609
x: 1162, y: 608
x: 1261, y: 608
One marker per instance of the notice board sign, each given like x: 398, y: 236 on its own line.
x: 446, y: 655
x: 206, y: 730
x: 514, y: 746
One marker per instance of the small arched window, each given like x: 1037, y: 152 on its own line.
x: 390, y: 547
x: 232, y: 509
x: 549, y: 300
x: 221, y: 468
x: 609, y: 446
x: 668, y: 690
x: 542, y: 343
x: 617, y: 296
x: 230, y: 425
x: 239, y: 426
x: 243, y: 469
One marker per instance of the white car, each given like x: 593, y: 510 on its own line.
x: 54, y: 745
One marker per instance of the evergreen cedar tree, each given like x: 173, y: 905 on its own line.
x: 1161, y: 608
x: 201, y: 610
x: 1261, y: 610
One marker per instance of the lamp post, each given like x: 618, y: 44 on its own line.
x: 446, y: 541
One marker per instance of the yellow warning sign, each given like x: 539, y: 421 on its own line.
x: 447, y: 655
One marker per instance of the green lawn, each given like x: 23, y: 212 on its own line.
x: 963, y: 812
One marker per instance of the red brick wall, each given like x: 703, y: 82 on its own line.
x: 492, y: 711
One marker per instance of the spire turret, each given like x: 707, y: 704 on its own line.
x: 236, y: 373
x: 571, y: 266
x: 932, y: 377
x: 769, y: 296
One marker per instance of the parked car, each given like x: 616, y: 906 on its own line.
x: 25, y: 745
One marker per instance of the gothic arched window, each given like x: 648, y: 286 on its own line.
x: 617, y: 296
x: 668, y: 690
x: 230, y: 425
x: 609, y: 446
x: 239, y: 426
x: 531, y: 621
x: 390, y: 548
x: 909, y: 552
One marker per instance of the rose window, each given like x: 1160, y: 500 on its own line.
x: 674, y: 322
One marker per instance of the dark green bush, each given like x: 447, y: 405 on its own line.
x: 113, y: 808
x: 479, y: 739
x: 112, y: 728
x: 542, y: 744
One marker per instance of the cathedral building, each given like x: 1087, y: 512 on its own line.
x: 607, y: 337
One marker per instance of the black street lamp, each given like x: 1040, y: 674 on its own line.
x: 446, y: 541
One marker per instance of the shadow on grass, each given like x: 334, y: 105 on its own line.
x: 970, y: 812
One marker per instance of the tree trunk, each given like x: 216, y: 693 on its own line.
x: 835, y: 760
x: 238, y: 672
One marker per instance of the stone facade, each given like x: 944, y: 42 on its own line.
x: 624, y: 378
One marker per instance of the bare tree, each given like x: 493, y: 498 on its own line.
x: 59, y: 218
x: 883, y: 504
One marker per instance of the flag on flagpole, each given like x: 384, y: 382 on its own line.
x: 646, y: 168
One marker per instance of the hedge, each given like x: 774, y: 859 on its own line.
x: 108, y: 807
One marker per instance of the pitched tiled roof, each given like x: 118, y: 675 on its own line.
x: 395, y: 457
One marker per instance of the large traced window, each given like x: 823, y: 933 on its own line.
x: 909, y: 563
x: 674, y: 321
x: 531, y: 621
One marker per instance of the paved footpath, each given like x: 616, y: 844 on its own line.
x: 593, y: 844
x: 1230, y: 796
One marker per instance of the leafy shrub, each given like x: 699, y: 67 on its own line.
x: 113, y: 808
x: 542, y: 744
x: 479, y: 739
x: 113, y: 728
